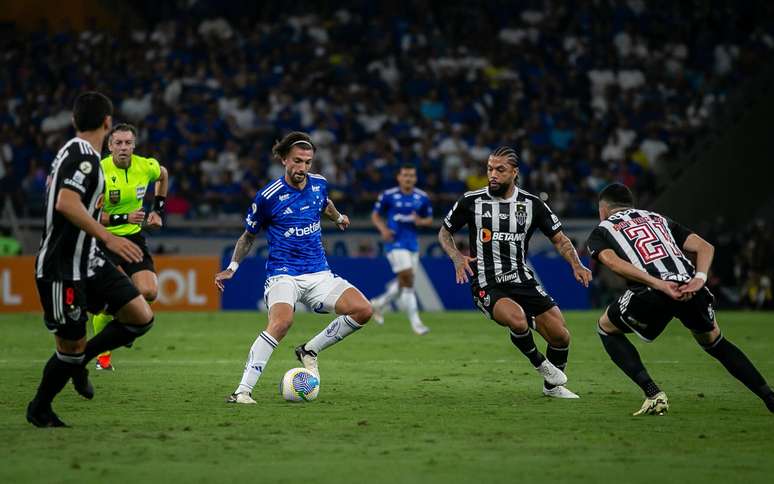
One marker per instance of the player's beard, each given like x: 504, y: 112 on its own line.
x: 498, y: 189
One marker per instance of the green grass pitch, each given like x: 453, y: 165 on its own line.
x: 458, y: 405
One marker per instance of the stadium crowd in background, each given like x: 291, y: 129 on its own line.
x: 589, y: 93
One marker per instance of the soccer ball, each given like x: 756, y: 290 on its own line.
x: 299, y: 384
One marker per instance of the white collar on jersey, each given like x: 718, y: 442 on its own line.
x: 512, y: 198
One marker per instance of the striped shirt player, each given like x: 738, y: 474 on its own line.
x: 72, y: 274
x: 501, y: 220
x: 397, y: 213
x: 499, y: 233
x: 289, y: 211
x: 653, y: 244
x: 71, y: 271
x: 650, y: 252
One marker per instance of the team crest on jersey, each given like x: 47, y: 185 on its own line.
x: 521, y: 213
x: 114, y: 196
x: 284, y: 197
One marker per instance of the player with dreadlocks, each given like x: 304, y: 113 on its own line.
x: 501, y: 219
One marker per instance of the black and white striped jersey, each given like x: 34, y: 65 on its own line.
x: 648, y: 240
x: 65, y: 249
x: 499, y: 232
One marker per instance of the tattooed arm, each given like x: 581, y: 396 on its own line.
x: 460, y: 260
x: 565, y: 248
x: 242, y: 248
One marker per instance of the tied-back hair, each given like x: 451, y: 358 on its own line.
x: 508, y: 153
x: 282, y: 147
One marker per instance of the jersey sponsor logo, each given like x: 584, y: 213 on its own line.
x: 506, y: 277
x: 556, y: 226
x: 114, y: 196
x: 486, y: 235
x: 403, y: 217
x: 79, y: 176
x: 315, y: 188
x: 141, y: 192
x: 284, y: 197
x: 521, y: 213
x: 303, y: 231
x: 287, y: 211
x: 305, y: 207
x: 85, y: 167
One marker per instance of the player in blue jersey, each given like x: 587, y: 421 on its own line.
x: 397, y: 214
x: 288, y: 210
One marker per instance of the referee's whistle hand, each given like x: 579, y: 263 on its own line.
x: 127, y: 249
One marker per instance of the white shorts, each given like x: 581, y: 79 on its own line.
x: 402, y: 259
x: 319, y: 290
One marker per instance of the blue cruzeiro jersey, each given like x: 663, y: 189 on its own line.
x: 398, y: 209
x: 291, y: 219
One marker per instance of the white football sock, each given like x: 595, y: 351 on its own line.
x: 339, y: 329
x: 259, y: 355
x: 389, y: 296
x: 408, y: 302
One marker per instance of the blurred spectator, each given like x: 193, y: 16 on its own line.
x: 588, y: 92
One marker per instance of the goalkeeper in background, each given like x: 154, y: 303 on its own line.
x: 127, y: 177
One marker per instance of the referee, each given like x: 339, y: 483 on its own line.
x: 127, y: 177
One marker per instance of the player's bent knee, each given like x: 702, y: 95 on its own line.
x: 362, y: 312
x: 149, y: 294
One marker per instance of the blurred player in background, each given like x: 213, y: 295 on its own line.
x: 649, y: 251
x: 501, y: 219
x: 289, y: 210
x: 72, y: 274
x: 397, y: 214
x: 127, y: 177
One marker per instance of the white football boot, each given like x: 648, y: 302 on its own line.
x: 551, y: 373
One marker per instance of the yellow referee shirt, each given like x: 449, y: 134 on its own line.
x: 125, y: 189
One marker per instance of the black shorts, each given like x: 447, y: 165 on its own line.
x: 532, y: 298
x: 133, y: 267
x: 648, y: 313
x: 66, y: 303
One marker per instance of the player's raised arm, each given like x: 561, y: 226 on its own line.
x: 628, y: 271
x: 341, y: 220
x: 566, y: 249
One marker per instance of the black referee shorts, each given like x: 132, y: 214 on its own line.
x: 648, y: 313
x: 531, y: 297
x: 66, y: 303
x: 130, y: 268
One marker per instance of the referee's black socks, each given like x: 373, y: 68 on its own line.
x: 114, y: 335
x: 625, y: 355
x: 741, y: 368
